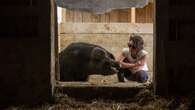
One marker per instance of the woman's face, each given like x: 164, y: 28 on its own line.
x: 131, y: 46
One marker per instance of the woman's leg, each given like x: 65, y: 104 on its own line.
x: 120, y: 75
x: 123, y: 73
x: 141, y: 76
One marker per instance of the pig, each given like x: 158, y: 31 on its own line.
x: 79, y: 60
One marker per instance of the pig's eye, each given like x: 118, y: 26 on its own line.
x: 106, y: 63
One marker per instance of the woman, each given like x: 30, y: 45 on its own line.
x: 132, y: 61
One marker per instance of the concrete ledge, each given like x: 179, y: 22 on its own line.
x: 87, y: 90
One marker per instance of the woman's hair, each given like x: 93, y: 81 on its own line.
x: 138, y: 42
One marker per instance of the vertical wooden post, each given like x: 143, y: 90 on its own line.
x: 62, y: 26
x: 133, y: 15
x: 129, y: 15
x: 63, y: 15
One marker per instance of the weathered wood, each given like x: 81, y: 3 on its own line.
x: 78, y: 16
x: 123, y: 15
x: 143, y: 15
x: 114, y: 16
x: 86, y: 17
x: 133, y: 15
x: 129, y: 15
x: 68, y: 17
x: 105, y: 18
x: 54, y: 72
x: 95, y: 18
x: 63, y: 13
x: 86, y: 90
x: 88, y: 84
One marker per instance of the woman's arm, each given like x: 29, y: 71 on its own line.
x: 120, y: 58
x: 125, y: 64
x: 140, y: 63
x: 135, y: 65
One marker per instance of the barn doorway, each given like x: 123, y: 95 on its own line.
x: 109, y: 30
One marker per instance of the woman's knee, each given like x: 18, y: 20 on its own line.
x: 142, y: 76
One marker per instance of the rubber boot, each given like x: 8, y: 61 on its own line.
x: 120, y: 75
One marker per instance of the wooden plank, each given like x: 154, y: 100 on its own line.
x: 71, y: 16
x: 123, y: 15
x: 151, y: 13
x: 133, y: 15
x: 105, y: 18
x: 114, y: 16
x: 68, y: 16
x: 102, y: 18
x: 146, y: 14
x: 86, y: 17
x: 137, y: 17
x: 129, y: 15
x: 78, y: 16
x: 140, y: 18
x: 63, y: 15
x: 88, y: 90
x: 53, y: 43
x: 95, y: 18
x: 88, y: 84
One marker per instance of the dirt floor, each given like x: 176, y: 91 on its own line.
x: 144, y: 100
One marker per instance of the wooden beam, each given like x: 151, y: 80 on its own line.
x: 63, y: 15
x: 133, y: 15
x: 89, y: 84
x: 129, y: 15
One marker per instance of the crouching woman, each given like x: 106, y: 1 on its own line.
x: 132, y: 60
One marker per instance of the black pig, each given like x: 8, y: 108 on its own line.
x: 79, y: 60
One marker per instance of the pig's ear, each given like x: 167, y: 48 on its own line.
x: 97, y: 53
x: 111, y: 55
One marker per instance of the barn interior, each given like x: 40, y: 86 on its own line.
x: 29, y: 50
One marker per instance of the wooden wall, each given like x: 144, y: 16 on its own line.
x: 146, y: 14
x: 143, y: 15
x: 113, y: 16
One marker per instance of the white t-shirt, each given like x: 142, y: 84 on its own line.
x: 140, y: 54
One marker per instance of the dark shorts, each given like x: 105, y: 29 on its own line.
x: 140, y: 76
